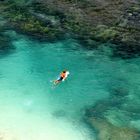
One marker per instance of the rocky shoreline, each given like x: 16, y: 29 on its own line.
x: 116, y: 22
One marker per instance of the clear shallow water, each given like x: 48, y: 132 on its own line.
x: 31, y: 108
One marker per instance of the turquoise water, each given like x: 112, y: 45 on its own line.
x: 32, y: 108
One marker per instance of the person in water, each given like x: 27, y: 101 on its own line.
x: 63, y: 76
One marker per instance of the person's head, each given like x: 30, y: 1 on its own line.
x: 64, y: 71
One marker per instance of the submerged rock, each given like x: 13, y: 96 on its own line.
x: 118, y: 117
x: 103, y: 106
x: 2, y: 22
x: 6, y: 46
x: 5, y: 42
x: 119, y: 91
x: 59, y: 113
x: 107, y: 131
x: 113, y: 113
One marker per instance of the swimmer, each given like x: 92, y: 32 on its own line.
x: 63, y: 76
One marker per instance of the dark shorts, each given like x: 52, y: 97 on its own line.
x: 60, y: 79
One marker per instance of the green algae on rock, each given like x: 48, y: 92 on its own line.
x: 107, y: 21
x: 87, y: 21
x: 21, y: 19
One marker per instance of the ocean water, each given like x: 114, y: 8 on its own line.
x: 32, y: 108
